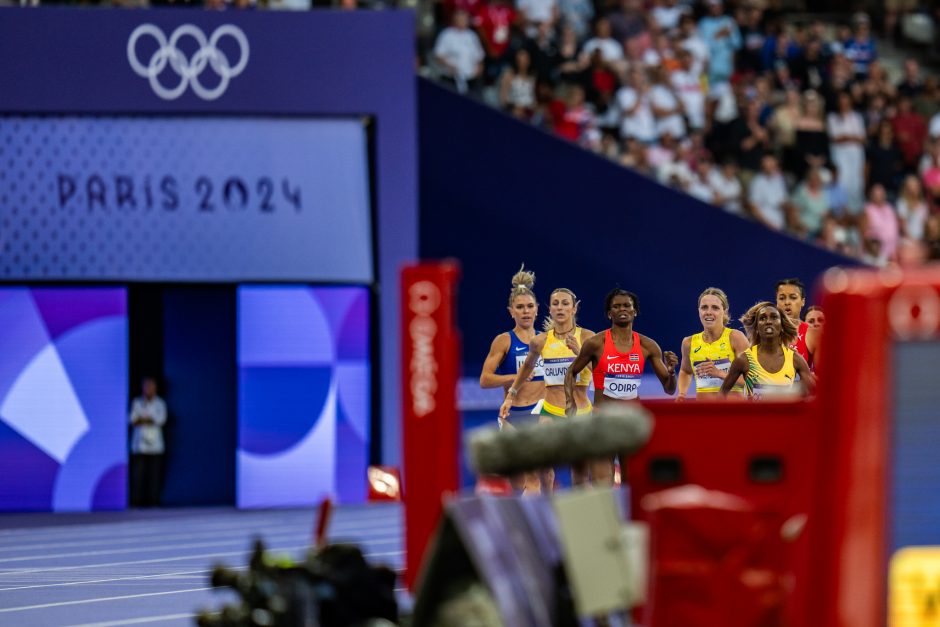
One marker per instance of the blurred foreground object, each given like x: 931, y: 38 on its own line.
x: 334, y: 587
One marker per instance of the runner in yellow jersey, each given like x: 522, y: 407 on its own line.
x: 769, y: 366
x: 707, y: 356
x: 557, y: 347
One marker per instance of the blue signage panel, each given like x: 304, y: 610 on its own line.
x: 303, y: 395
x: 63, y: 399
x: 184, y: 199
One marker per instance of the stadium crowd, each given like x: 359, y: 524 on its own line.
x: 794, y: 125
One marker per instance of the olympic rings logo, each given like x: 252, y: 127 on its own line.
x: 188, y: 70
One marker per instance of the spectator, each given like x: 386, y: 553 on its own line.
x: 910, y: 128
x: 493, y: 22
x: 699, y: 186
x: 767, y: 195
x: 811, y: 147
x: 832, y: 236
x: 572, y: 118
x: 932, y: 237
x: 727, y: 188
x: 578, y: 15
x: 912, y: 84
x: 750, y: 139
x: 927, y: 103
x: 872, y: 253
x: 460, y: 55
x: 860, y: 49
x: 634, y: 156
x: 536, y: 15
x: 721, y: 35
x: 544, y: 52
x: 753, y: 37
x: 811, y: 69
x: 666, y: 14
x: 930, y: 173
x: 611, y: 50
x: 687, y: 84
x: 847, y: 141
x: 691, y: 40
x: 877, y: 83
x: 912, y: 208
x: 636, y: 108
x: 934, y: 129
x: 782, y: 124
x: 147, y: 418
x: 883, y: 159
x: 666, y: 107
x: 517, y: 86
x: 810, y: 204
x: 627, y: 21
x: 880, y: 222
x: 571, y: 66
x: 874, y: 115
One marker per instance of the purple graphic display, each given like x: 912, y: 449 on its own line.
x: 63, y: 399
x: 304, y: 395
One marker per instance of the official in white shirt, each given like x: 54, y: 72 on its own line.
x: 148, y: 415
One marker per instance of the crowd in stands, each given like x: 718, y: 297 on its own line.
x: 794, y: 125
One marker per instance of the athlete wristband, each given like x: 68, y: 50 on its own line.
x: 512, y: 391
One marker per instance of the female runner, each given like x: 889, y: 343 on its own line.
x: 769, y: 366
x: 557, y: 347
x: 707, y: 356
x: 507, y: 354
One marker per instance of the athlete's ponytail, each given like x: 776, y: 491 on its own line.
x: 723, y: 298
x: 548, y: 325
x: 522, y: 284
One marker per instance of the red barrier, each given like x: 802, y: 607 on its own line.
x: 764, y: 453
x: 430, y: 350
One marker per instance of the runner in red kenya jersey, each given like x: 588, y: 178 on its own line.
x: 617, y: 358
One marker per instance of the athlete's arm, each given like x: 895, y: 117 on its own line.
x: 739, y: 344
x: 664, y: 364
x: 572, y: 343
x: 685, y: 370
x: 586, y: 356
x: 807, y: 378
x: 813, y: 340
x: 535, y: 349
x: 738, y: 367
x: 498, y: 350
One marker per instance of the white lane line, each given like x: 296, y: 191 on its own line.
x: 118, y: 539
x: 109, y: 534
x: 204, y: 519
x: 180, y: 573
x: 136, y: 621
x: 281, y: 537
x: 23, y: 608
x: 371, y: 542
x: 172, y: 559
x: 142, y: 549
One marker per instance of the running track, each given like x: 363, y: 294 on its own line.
x: 152, y: 568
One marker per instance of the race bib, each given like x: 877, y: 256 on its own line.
x: 538, y: 371
x: 555, y: 370
x: 704, y: 383
x: 621, y: 386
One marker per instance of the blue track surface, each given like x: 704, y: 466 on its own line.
x: 141, y: 568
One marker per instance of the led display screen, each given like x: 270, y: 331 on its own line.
x: 63, y: 399
x: 175, y: 198
x: 304, y: 395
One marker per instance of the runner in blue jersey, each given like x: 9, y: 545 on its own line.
x: 507, y: 354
